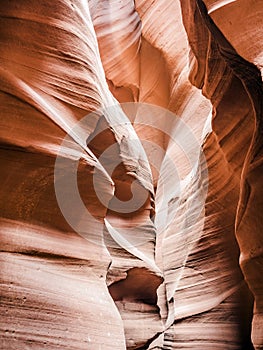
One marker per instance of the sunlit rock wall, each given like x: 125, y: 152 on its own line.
x: 131, y: 173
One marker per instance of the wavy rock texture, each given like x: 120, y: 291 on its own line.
x: 171, y: 92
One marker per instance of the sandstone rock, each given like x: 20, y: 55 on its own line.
x: 131, y: 157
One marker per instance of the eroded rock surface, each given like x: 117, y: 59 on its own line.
x: 131, y: 172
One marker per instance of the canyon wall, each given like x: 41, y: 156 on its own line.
x: 131, y: 172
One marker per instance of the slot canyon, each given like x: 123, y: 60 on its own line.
x: 131, y: 153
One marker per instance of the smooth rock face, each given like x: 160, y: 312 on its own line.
x: 131, y: 173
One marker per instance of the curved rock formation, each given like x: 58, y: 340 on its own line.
x: 131, y: 157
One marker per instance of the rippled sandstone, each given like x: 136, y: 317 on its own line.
x: 131, y: 172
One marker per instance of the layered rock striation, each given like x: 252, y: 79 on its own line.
x: 131, y: 171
